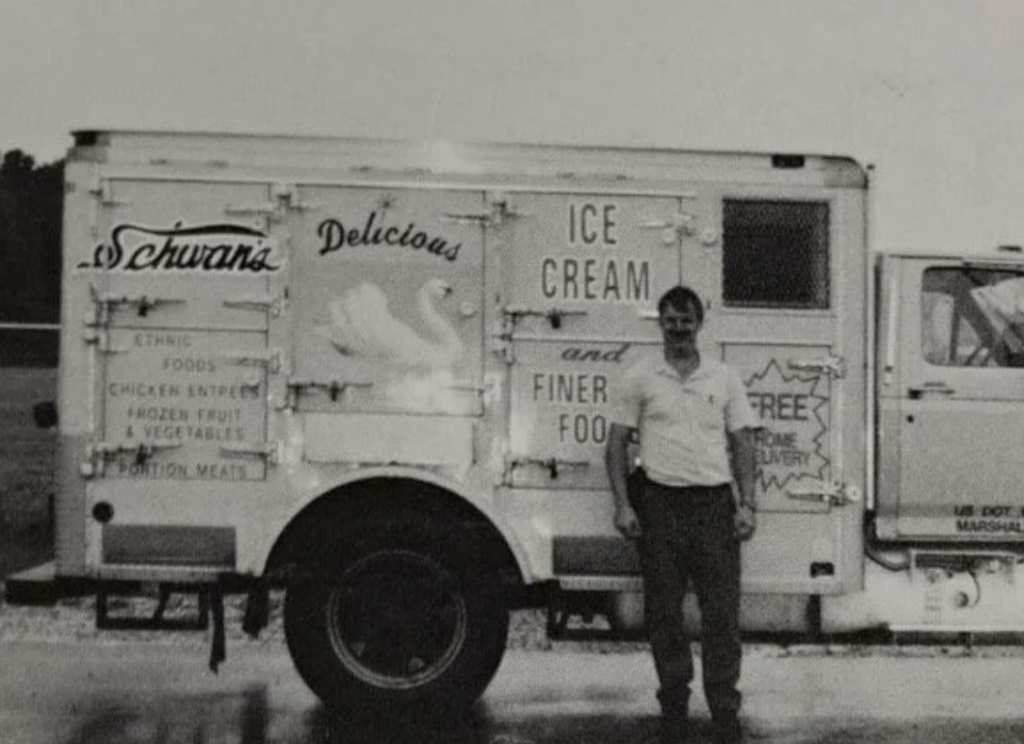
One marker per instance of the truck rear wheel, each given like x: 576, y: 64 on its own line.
x: 407, y: 619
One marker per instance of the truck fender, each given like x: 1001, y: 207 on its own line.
x: 340, y: 488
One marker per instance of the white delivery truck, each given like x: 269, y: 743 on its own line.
x: 380, y: 376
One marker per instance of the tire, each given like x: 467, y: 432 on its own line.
x: 405, y: 619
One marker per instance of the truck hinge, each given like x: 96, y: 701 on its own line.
x: 269, y: 451
x: 503, y: 347
x: 101, y: 340
x: 273, y: 305
x: 832, y: 365
x: 834, y: 493
x: 101, y: 188
x: 553, y: 465
x: 287, y: 195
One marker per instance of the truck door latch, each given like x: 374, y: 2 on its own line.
x: 272, y: 210
x: 143, y: 303
x: 835, y: 493
x: 97, y: 454
x: 269, y: 451
x: 484, y: 219
x: 269, y: 358
x: 675, y: 227
x: 930, y: 388
x: 554, y: 314
x: 478, y: 390
x: 273, y: 306
x: 500, y: 211
x: 553, y: 464
x: 334, y: 388
x: 142, y: 450
x: 833, y: 366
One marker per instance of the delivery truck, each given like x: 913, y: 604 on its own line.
x: 379, y: 376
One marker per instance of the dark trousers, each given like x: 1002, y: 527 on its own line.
x: 688, y: 535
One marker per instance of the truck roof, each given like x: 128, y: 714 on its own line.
x: 284, y: 152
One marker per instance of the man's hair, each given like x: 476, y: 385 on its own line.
x: 681, y: 298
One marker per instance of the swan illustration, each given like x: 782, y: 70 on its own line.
x: 362, y: 326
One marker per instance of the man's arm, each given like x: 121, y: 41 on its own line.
x: 743, y: 451
x: 617, y: 463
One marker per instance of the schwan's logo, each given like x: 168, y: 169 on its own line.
x: 204, y: 249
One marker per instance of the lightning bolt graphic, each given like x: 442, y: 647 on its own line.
x: 809, y: 437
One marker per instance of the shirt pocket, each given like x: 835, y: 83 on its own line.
x: 703, y: 412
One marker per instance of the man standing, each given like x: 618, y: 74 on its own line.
x: 696, y: 430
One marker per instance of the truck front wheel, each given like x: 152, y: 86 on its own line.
x: 407, y: 620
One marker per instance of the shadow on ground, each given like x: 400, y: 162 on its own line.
x: 247, y: 717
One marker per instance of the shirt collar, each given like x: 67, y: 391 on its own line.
x: 663, y: 368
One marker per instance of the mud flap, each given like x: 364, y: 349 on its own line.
x: 257, y: 612
x: 218, y: 644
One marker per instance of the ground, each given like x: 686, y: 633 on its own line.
x: 26, y: 468
x: 64, y: 681
x: 107, y: 690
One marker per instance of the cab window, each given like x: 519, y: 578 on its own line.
x: 972, y: 317
x: 775, y: 254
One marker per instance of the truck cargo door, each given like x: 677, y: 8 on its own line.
x: 388, y: 322
x: 788, y: 314
x: 581, y: 274
x: 961, y: 395
x: 182, y: 289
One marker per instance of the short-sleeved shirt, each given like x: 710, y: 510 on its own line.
x: 683, y: 424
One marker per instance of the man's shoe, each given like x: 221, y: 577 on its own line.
x: 674, y: 730
x: 726, y: 729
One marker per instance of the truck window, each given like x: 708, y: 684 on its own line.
x: 972, y: 317
x: 775, y: 254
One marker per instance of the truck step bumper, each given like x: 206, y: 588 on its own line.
x: 40, y: 586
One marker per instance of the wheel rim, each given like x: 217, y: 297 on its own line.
x: 397, y: 620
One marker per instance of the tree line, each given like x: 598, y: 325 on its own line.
x: 31, y: 198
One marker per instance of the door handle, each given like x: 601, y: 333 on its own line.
x: 931, y: 388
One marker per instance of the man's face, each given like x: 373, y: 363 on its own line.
x: 679, y: 326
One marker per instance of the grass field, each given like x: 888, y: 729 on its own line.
x: 26, y: 468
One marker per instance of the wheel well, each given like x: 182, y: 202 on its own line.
x: 309, y: 543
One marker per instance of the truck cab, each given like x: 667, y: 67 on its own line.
x: 945, y: 533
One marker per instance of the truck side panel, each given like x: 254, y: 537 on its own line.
x: 241, y: 336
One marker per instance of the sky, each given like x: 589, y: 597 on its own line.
x: 928, y: 91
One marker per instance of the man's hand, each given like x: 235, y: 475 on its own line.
x: 626, y: 522
x: 745, y: 522
x: 617, y: 463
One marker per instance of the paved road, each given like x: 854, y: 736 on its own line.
x: 99, y: 692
